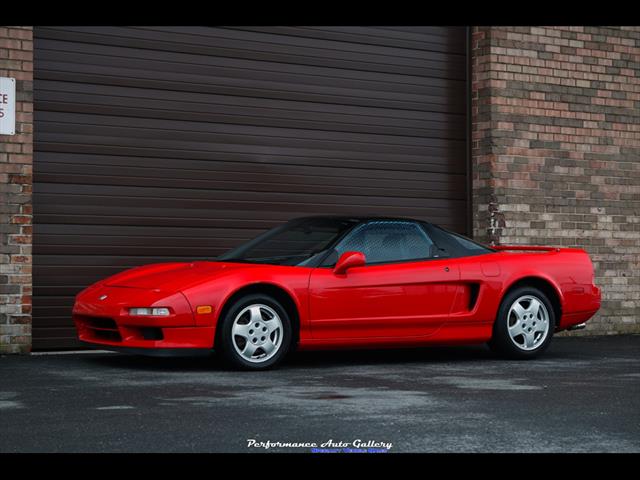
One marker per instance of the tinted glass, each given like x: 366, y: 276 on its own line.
x: 467, y: 244
x: 387, y: 241
x: 455, y: 245
x: 293, y: 243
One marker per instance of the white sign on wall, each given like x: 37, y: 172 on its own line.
x: 7, y: 106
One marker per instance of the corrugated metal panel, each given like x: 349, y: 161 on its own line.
x: 173, y: 143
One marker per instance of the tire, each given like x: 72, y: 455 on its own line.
x: 245, y: 346
x: 519, y: 332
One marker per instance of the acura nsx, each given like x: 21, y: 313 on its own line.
x: 341, y: 282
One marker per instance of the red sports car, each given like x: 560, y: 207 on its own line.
x: 343, y: 282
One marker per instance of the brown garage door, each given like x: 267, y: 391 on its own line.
x: 158, y: 143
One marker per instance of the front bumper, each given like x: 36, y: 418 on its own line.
x: 101, y: 316
x: 154, y: 352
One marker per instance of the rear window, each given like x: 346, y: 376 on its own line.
x: 456, y: 245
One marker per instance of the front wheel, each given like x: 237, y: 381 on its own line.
x: 525, y: 323
x: 255, y: 333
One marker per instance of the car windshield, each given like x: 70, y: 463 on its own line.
x: 294, y: 243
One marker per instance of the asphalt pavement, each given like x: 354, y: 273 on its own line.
x: 583, y: 395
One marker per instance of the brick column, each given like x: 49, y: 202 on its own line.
x: 556, y: 150
x: 16, y: 154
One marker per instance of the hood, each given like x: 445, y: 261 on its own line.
x: 172, y: 276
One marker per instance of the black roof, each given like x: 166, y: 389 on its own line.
x: 356, y: 218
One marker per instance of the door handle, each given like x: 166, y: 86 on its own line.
x: 446, y: 269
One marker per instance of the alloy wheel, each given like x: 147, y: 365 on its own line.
x: 257, y: 333
x: 528, y: 322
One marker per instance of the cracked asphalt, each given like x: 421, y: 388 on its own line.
x: 583, y: 395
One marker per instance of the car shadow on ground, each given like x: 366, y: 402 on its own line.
x: 303, y: 360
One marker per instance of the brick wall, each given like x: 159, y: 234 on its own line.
x: 556, y: 150
x: 16, y: 151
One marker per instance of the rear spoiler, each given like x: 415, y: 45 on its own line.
x: 525, y: 247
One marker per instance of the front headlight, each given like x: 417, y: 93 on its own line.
x: 155, y: 312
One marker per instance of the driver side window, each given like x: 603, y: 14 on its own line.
x: 388, y: 241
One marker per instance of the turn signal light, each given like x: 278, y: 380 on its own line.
x: 204, y: 309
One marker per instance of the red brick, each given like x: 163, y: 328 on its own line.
x: 20, y: 75
x: 20, y: 55
x: 21, y: 219
x: 21, y: 259
x: 10, y: 43
x: 20, y: 33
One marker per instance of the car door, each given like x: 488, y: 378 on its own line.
x: 405, y: 289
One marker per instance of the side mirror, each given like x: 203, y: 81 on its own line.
x: 349, y: 260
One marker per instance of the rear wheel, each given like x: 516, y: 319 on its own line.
x: 524, y: 325
x: 255, y: 333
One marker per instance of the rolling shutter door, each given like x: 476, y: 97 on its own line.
x: 158, y: 144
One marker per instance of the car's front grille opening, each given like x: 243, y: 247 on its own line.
x: 152, y: 333
x: 108, y: 335
x: 101, y: 323
x: 101, y: 328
